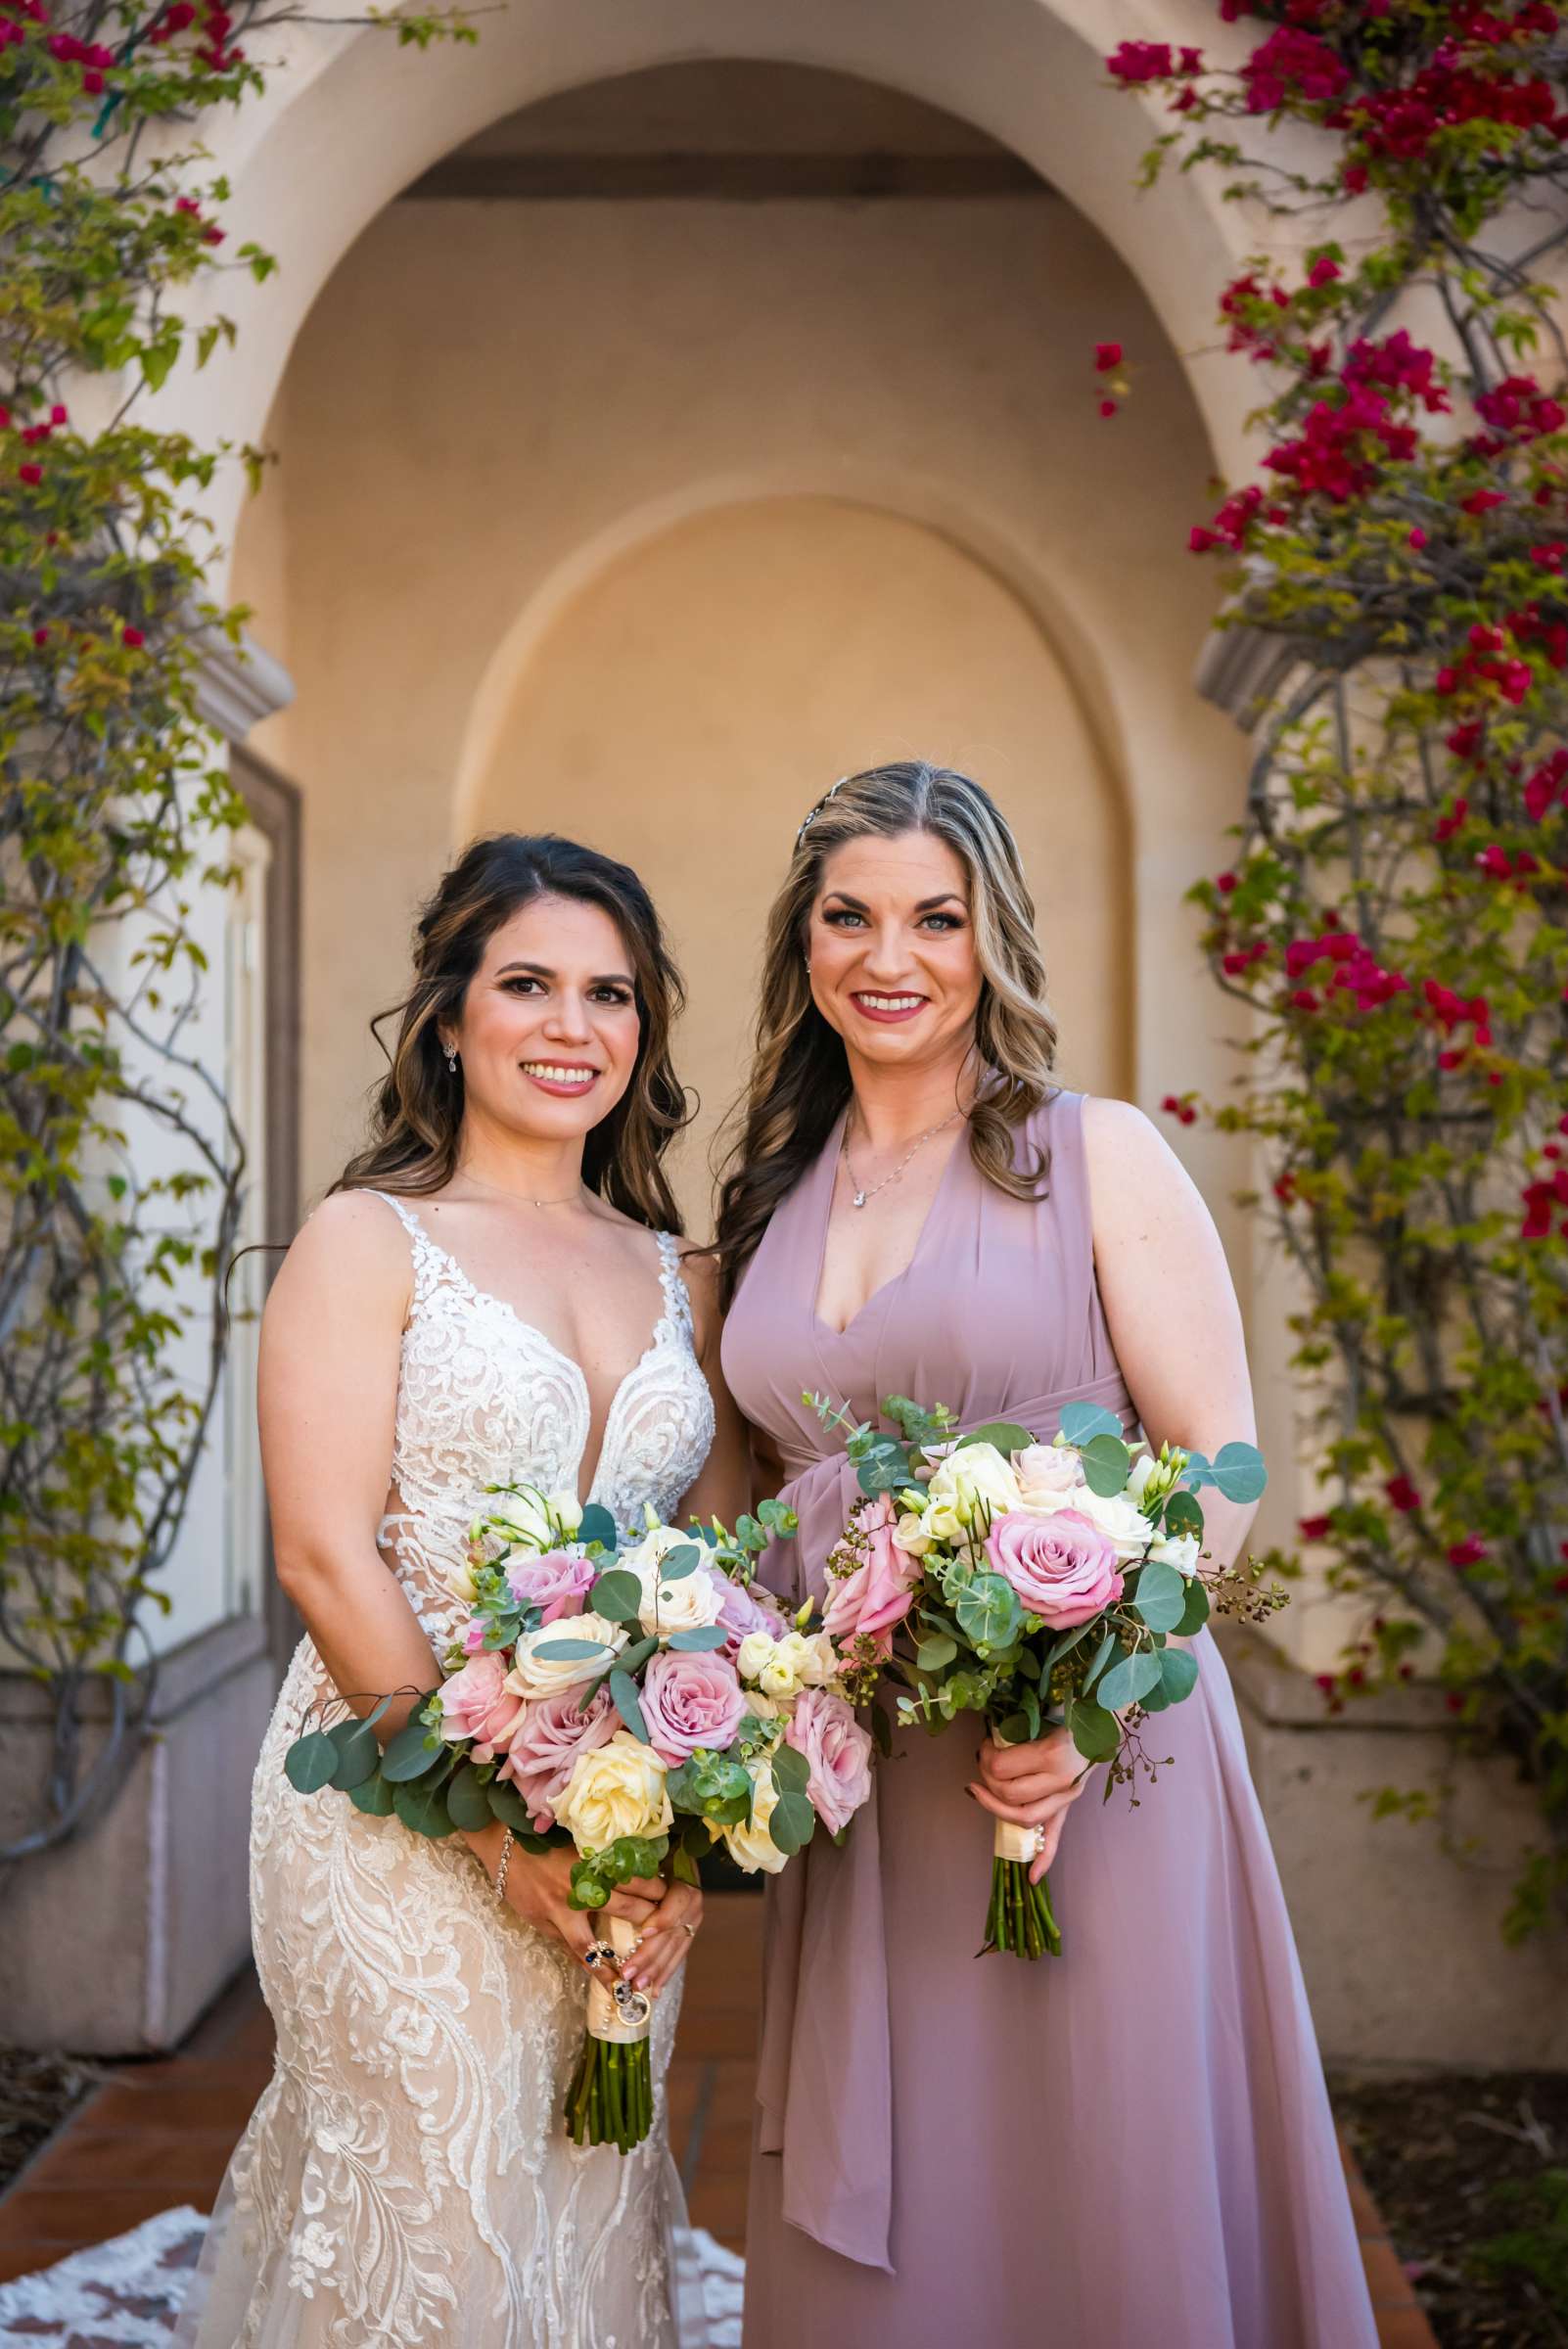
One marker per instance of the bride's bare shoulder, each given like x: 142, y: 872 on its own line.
x: 351, y: 1249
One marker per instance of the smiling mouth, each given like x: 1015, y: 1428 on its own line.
x: 888, y: 1008
x: 560, y: 1075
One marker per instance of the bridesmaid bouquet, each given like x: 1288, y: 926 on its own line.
x: 1032, y: 1583
x: 638, y: 1701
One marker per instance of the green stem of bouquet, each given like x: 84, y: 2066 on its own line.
x: 610, y: 2101
x: 1020, y: 1920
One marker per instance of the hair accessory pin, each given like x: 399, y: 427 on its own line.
x: 814, y: 812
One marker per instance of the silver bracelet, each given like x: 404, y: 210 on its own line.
x: 501, y: 1866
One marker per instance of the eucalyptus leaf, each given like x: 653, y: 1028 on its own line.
x: 634, y: 1657
x: 1106, y: 1462
x: 616, y: 1597
x: 1096, y: 1734
x: 1005, y: 1435
x: 792, y: 1824
x: 1161, y: 1597
x: 1195, y: 1614
x: 1128, y: 1681
x: 932, y: 1653
x: 1082, y: 1423
x: 792, y: 1771
x: 508, y: 1806
x: 1063, y: 1646
x: 702, y: 1639
x: 1178, y: 1673
x: 597, y: 1525
x: 988, y: 1611
x: 570, y: 1651
x: 1239, y: 1472
x: 677, y: 1563
x: 624, y: 1696
x: 309, y: 1763
x: 883, y: 1466
x: 1182, y: 1515
x: 424, y: 1809
x: 467, y: 1802
x: 372, y: 1796
x: 1102, y: 1656
x: 409, y: 1755
x: 357, y: 1753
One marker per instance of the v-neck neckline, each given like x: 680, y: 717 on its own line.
x: 829, y: 1160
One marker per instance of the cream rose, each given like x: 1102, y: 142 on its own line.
x: 794, y: 1665
x: 1117, y: 1516
x: 755, y: 1653
x: 1043, y: 1468
x: 973, y: 1484
x: 614, y: 1790
x: 752, y: 1847
x: 911, y: 1534
x: 533, y: 1674
x: 690, y: 1605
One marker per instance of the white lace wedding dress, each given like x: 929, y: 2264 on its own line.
x: 405, y: 2179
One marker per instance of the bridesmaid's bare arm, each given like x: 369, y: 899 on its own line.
x: 1169, y: 1302
x: 1176, y: 1330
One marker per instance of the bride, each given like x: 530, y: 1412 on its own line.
x: 492, y: 1292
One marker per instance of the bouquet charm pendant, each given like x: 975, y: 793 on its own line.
x: 860, y: 1192
x: 610, y: 2101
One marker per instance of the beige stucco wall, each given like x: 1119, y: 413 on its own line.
x: 633, y: 491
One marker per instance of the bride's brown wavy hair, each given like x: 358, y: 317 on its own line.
x: 417, y: 1112
x: 800, y: 1077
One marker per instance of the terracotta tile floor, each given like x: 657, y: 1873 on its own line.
x: 161, y: 2133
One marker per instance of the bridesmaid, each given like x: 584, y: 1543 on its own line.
x: 1131, y: 2143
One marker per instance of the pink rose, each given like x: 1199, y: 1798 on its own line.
x: 823, y: 1728
x: 1063, y: 1567
x: 474, y: 1703
x: 744, y: 1610
x: 475, y: 1632
x: 546, y: 1743
x: 879, y: 1593
x: 558, y: 1583
x: 688, y: 1701
x: 1046, y: 1468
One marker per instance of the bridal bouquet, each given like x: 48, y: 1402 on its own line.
x: 1032, y: 1583
x: 638, y: 1701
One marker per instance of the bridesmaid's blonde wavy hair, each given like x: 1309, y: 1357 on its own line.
x: 800, y: 1078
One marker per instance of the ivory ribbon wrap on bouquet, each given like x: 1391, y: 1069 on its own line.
x: 1015, y: 1843
x: 617, y: 2012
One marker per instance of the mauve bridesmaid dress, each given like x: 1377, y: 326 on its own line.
x: 1130, y: 2144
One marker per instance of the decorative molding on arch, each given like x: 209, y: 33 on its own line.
x: 350, y: 122
x: 980, y: 538
x: 1240, y: 669
x: 239, y: 685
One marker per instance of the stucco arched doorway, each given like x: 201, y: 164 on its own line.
x: 694, y: 697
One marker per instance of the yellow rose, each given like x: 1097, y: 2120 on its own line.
x: 752, y: 1847
x: 617, y: 1790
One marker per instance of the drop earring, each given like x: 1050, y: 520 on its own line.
x: 450, y: 1052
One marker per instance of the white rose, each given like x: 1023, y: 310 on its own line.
x: 787, y: 1670
x: 752, y: 1847
x: 1117, y: 1516
x: 970, y: 1487
x: 525, y: 1515
x: 616, y: 1789
x: 1179, y: 1550
x: 756, y: 1650
x: 687, y: 1606
x: 533, y: 1674
x: 821, y: 1668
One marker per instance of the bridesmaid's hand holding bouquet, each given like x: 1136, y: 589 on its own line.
x: 1035, y: 1585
